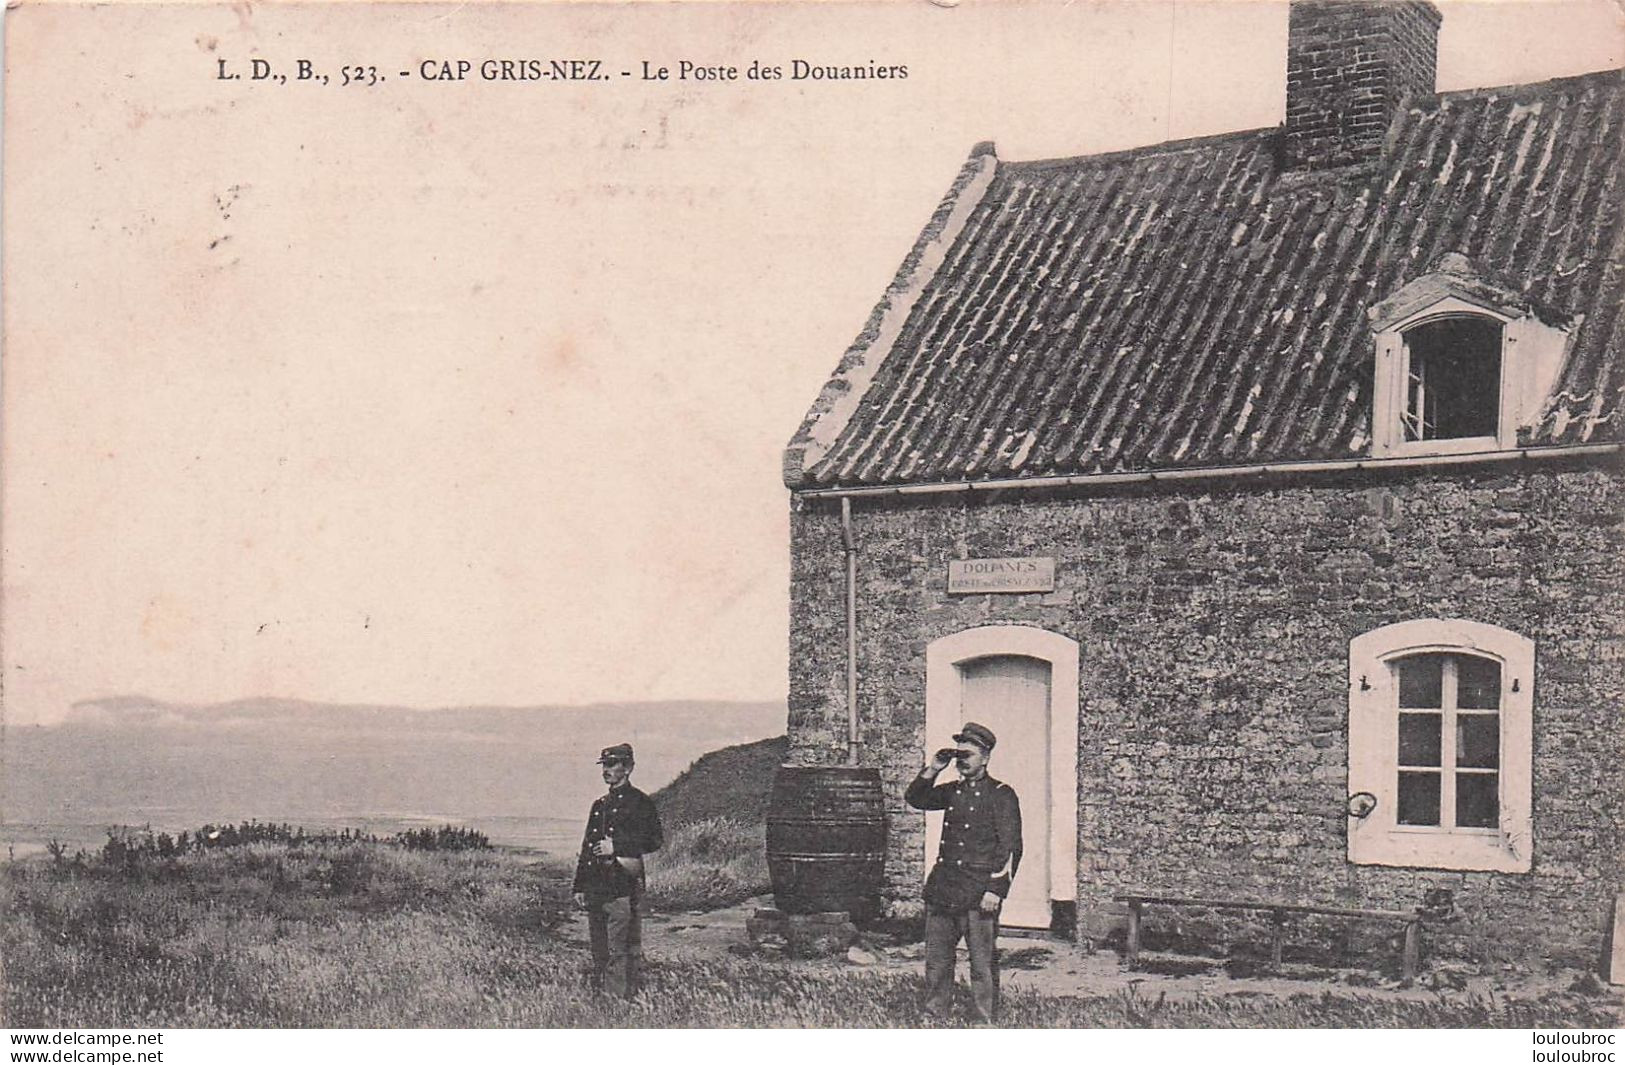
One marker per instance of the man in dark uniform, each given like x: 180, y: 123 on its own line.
x: 621, y: 829
x: 981, y: 850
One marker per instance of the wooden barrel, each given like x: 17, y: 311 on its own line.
x: 826, y: 840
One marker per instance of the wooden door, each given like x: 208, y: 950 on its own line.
x: 1010, y: 694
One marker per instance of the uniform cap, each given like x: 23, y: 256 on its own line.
x: 980, y: 735
x: 620, y: 752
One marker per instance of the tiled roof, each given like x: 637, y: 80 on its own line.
x: 1187, y: 305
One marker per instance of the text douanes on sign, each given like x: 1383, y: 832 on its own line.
x: 980, y: 576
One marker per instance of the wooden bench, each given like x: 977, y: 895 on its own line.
x: 1278, y: 912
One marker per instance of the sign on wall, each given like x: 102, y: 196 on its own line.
x: 984, y: 575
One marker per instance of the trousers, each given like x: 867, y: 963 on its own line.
x: 980, y: 931
x: 615, y: 928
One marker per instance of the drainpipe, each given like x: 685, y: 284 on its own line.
x: 851, y: 631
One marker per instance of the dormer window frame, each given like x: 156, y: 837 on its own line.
x: 1530, y: 355
x: 1394, y: 373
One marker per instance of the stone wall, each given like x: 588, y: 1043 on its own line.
x: 1214, y: 622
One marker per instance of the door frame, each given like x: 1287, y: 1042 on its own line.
x: 943, y: 687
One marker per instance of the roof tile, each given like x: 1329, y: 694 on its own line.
x: 1187, y: 305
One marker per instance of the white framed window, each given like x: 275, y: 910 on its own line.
x: 1460, y: 367
x: 1440, y: 746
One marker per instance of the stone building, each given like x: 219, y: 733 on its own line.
x: 1263, y: 492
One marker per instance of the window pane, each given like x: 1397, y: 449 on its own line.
x: 1419, y: 738
x: 1418, y: 798
x: 1421, y: 680
x: 1478, y: 803
x: 1478, y: 741
x: 1478, y: 683
x: 1457, y: 363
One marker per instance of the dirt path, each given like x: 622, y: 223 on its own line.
x: 1051, y: 967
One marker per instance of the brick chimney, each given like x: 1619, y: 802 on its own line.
x: 1349, y: 65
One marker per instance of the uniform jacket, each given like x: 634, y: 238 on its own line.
x: 981, y: 826
x: 627, y: 816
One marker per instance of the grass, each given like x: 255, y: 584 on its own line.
x: 734, y: 782
x: 709, y: 864
x: 270, y: 935
x: 715, y: 817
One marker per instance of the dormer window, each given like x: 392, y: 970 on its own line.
x: 1460, y: 365
x: 1452, y: 379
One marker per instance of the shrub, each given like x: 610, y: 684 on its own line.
x: 444, y: 838
x: 128, y: 846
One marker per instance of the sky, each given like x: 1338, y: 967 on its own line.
x: 450, y: 393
